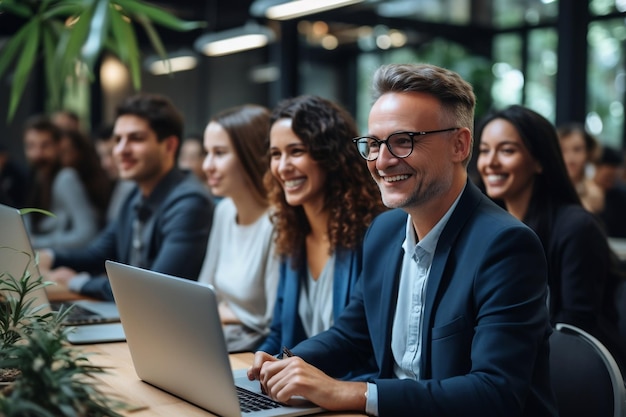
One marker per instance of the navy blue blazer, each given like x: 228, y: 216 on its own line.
x: 286, y: 328
x: 486, y: 324
x: 177, y: 234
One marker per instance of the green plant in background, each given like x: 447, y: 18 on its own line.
x: 70, y: 35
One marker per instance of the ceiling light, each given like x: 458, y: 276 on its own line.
x: 182, y: 60
x: 239, y: 39
x: 281, y: 10
x: 165, y: 66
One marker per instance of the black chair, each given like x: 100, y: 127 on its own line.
x: 585, y: 377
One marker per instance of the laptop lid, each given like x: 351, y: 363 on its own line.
x: 17, y: 256
x: 176, y: 340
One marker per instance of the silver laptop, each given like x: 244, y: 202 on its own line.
x: 96, y: 321
x: 176, y: 342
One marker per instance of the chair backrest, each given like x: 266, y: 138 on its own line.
x: 585, y: 377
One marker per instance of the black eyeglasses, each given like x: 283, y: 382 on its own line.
x: 400, y: 144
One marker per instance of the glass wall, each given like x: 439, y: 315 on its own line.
x: 607, y: 80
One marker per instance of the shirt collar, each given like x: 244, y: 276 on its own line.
x: 429, y: 242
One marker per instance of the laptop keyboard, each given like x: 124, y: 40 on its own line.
x: 79, y: 315
x: 250, y: 401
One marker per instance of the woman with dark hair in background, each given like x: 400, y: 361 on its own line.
x: 240, y: 262
x: 521, y: 164
x: 323, y: 199
x: 78, y: 152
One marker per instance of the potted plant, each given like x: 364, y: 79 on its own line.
x: 48, y: 377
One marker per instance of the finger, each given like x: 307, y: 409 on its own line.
x: 259, y: 359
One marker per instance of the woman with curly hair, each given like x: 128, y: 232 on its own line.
x: 323, y: 199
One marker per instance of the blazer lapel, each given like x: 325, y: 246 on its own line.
x: 468, y: 201
x: 389, y: 291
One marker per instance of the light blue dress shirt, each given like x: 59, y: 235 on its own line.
x: 406, y: 340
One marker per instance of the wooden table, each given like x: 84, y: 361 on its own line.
x: 146, y: 400
x: 122, y: 382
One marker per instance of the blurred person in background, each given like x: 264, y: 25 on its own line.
x: 191, y: 156
x: 78, y: 152
x: 104, y: 144
x: 607, y: 176
x: 580, y: 149
x: 66, y: 120
x: 55, y: 188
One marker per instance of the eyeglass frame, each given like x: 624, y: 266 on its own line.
x: 386, y: 141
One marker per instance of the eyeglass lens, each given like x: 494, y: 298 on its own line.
x: 399, y: 144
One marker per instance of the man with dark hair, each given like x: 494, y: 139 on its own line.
x: 164, y: 223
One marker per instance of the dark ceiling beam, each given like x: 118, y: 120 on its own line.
x: 476, y: 38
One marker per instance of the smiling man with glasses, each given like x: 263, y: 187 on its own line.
x: 451, y: 299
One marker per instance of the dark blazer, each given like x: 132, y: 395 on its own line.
x: 177, y: 234
x: 286, y: 328
x: 486, y: 325
x: 582, y: 285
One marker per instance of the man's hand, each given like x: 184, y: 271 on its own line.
x: 45, y: 260
x: 61, y: 275
x: 293, y: 377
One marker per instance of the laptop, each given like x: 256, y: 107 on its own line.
x: 176, y: 342
x: 100, y: 319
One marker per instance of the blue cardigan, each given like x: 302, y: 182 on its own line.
x: 286, y: 328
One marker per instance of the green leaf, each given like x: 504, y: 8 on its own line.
x: 119, y: 46
x: 159, y: 16
x: 64, y: 9
x: 51, y: 73
x: 27, y: 210
x: 97, y: 33
x: 24, y: 67
x: 77, y: 35
x: 126, y: 36
x: 14, y: 44
x: 154, y: 37
x: 16, y: 8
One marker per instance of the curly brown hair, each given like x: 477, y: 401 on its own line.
x: 352, y: 198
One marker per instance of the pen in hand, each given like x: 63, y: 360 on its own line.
x: 286, y: 353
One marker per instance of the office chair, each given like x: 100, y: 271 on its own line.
x: 585, y: 377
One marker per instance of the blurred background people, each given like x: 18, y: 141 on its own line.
x: 55, y: 188
x: 191, y: 156
x: 521, y: 164
x: 240, y: 262
x: 104, y: 144
x: 66, y: 120
x: 323, y: 199
x: 579, y: 151
x: 608, y: 177
x: 78, y: 152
